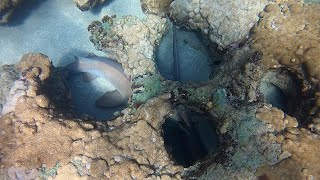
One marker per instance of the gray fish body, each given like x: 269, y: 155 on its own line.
x: 110, y: 70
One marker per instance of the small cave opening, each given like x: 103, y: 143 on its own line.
x: 189, y: 136
x: 85, y: 94
x: 282, y: 89
x: 186, y: 56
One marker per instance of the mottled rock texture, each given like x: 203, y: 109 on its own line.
x: 129, y: 146
x: 299, y: 147
x: 288, y: 37
x: 6, y: 9
x: 85, y: 5
x: 129, y: 40
x: 225, y: 22
x: 158, y: 7
x: 8, y: 75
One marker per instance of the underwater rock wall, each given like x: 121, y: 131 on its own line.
x: 224, y: 22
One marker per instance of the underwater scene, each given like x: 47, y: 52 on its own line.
x: 159, y: 89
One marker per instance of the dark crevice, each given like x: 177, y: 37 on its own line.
x: 189, y: 136
x: 282, y: 89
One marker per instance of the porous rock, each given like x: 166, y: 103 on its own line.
x: 85, y: 5
x: 224, y: 22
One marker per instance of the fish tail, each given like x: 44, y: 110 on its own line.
x: 175, y: 54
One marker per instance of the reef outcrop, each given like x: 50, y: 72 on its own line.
x: 158, y: 7
x: 224, y: 22
x: 6, y: 9
x: 288, y: 37
x: 63, y: 147
x: 85, y: 5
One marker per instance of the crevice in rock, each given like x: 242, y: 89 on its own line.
x: 189, y: 136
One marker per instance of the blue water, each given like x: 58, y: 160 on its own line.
x: 56, y: 28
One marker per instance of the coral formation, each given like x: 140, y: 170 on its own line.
x: 292, y: 39
x: 224, y: 22
x: 257, y: 140
x: 127, y: 147
x: 288, y: 36
x: 85, y: 5
x: 6, y: 9
x: 129, y: 40
x: 298, y: 159
x: 8, y: 75
x: 158, y: 7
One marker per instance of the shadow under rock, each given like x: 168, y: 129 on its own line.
x: 23, y: 11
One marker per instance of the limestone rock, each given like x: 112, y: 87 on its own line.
x: 225, y: 22
x: 85, y: 5
x: 6, y: 9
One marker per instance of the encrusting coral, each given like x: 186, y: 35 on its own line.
x: 298, y: 159
x: 85, y: 5
x: 6, y: 9
x: 129, y: 40
x: 224, y: 22
x: 288, y: 37
x: 127, y: 147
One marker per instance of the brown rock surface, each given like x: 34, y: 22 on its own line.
x: 288, y: 36
x: 32, y: 136
x: 301, y: 160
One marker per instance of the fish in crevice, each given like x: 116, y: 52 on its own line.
x: 176, y: 63
x: 109, y: 69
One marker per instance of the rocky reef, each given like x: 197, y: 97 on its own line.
x: 65, y: 147
x: 85, y: 5
x: 6, y: 9
x: 158, y: 7
x: 262, y: 98
x: 224, y: 22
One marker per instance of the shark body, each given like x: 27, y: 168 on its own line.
x: 109, y: 69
